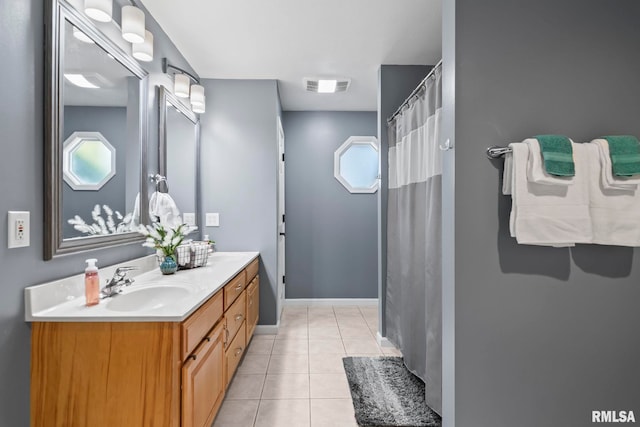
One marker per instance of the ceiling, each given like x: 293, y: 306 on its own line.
x: 288, y: 40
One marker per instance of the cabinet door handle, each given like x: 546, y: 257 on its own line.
x: 239, y: 287
x: 226, y: 336
x: 238, y: 351
x: 250, y: 302
x: 239, y: 317
x: 208, y: 339
x: 192, y: 356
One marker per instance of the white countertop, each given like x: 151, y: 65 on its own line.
x: 186, y: 290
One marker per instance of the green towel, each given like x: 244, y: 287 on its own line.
x: 625, y: 154
x: 557, y: 154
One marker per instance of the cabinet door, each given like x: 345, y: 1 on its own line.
x: 253, y: 306
x: 203, y: 381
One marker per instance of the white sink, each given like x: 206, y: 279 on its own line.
x: 149, y: 297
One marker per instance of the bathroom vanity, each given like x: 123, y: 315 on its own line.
x: 161, y: 354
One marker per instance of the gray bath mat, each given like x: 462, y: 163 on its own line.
x: 386, y: 394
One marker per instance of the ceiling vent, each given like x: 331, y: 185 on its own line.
x: 325, y: 85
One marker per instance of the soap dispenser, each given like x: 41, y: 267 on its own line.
x: 91, y: 283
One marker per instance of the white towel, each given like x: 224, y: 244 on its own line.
x: 615, y: 212
x: 606, y: 171
x: 535, y: 167
x: 507, y: 174
x: 163, y: 207
x: 549, y: 215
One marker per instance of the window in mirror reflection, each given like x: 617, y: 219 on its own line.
x: 101, y: 153
x: 88, y: 161
x: 356, y: 164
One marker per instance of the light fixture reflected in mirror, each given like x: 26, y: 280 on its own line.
x: 144, y: 51
x: 99, y: 10
x: 198, y: 108
x: 78, y: 34
x: 133, y: 24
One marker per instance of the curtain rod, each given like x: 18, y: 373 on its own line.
x: 420, y: 85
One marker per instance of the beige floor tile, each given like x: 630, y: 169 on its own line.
x: 391, y: 351
x: 352, y: 323
x: 260, y: 337
x: 263, y: 346
x: 284, y: 413
x: 254, y: 364
x: 329, y: 386
x: 237, y: 413
x: 361, y: 346
x: 289, y: 364
x: 320, y: 310
x: 245, y: 387
x: 333, y: 346
x: 291, y: 346
x: 332, y: 413
x: 323, y: 333
x: 326, y: 363
x: 322, y: 322
x: 294, y: 309
x: 355, y: 332
x: 293, y: 331
x: 286, y: 386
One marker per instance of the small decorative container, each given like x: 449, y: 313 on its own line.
x: 169, y: 265
x: 192, y: 255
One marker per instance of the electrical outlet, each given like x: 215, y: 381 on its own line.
x: 189, y: 218
x: 212, y: 220
x: 18, y: 229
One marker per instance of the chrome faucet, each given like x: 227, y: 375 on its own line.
x: 117, y: 282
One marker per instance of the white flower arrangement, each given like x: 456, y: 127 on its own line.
x: 101, y: 226
x: 165, y: 239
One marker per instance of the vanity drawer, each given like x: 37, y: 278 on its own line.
x: 234, y: 288
x: 199, y: 323
x: 252, y: 269
x: 234, y: 353
x: 234, y: 318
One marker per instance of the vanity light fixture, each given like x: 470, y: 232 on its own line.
x: 99, y: 10
x: 183, y: 88
x: 181, y: 84
x: 78, y: 34
x: 80, y: 81
x: 144, y: 51
x: 133, y: 29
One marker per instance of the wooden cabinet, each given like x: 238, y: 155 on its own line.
x: 143, y: 374
x: 203, y: 384
x: 253, y: 306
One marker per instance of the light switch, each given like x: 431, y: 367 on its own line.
x: 212, y: 220
x: 189, y: 218
x: 18, y: 227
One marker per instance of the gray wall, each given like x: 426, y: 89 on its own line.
x: 543, y: 336
x: 21, y: 122
x: 111, y: 123
x: 395, y: 83
x: 331, y: 249
x: 239, y: 174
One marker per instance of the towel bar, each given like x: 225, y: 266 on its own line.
x: 496, y: 151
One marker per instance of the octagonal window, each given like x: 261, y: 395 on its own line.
x: 356, y: 164
x: 88, y: 161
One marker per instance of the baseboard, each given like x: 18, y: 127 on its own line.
x: 267, y: 329
x: 383, y: 341
x: 318, y: 302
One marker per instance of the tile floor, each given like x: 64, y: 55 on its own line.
x: 296, y: 378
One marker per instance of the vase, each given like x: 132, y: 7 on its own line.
x: 169, y: 265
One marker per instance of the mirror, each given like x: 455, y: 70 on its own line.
x: 355, y: 164
x: 178, y: 156
x: 95, y: 139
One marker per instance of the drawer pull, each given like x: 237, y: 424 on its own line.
x: 238, y: 351
x: 192, y: 356
x: 250, y: 302
x: 226, y: 336
x: 239, y: 317
x: 239, y: 287
x: 208, y: 339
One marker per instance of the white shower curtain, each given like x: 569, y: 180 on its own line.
x: 414, y: 280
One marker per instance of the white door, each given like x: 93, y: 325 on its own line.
x: 281, y: 219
